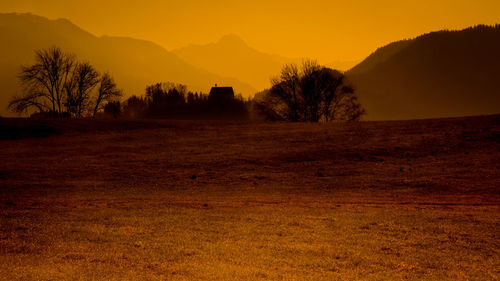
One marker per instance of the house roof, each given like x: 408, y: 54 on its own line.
x: 222, y: 93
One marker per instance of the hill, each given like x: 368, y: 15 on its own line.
x: 231, y: 56
x: 133, y: 63
x: 440, y: 74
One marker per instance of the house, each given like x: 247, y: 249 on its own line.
x: 222, y: 104
x: 221, y: 94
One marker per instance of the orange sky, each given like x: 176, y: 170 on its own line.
x: 327, y: 30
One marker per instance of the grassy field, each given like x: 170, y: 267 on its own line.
x: 186, y: 200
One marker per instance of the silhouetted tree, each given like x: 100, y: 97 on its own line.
x: 135, y: 107
x: 269, y: 107
x: 170, y: 100
x: 33, y: 98
x: 112, y: 108
x: 190, y: 98
x: 312, y: 93
x: 106, y: 92
x: 286, y: 89
x: 334, y: 98
x: 84, y: 79
x: 44, y: 81
x: 59, y: 86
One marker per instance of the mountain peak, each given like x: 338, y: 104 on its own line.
x: 231, y: 39
x: 133, y: 63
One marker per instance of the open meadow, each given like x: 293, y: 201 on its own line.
x: 213, y: 200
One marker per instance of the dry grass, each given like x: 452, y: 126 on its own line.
x: 179, y: 200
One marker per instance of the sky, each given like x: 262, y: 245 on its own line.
x: 328, y: 30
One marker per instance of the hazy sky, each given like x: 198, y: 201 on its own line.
x: 326, y: 29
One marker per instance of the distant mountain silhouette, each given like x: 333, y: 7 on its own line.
x: 343, y: 65
x: 133, y: 63
x: 440, y: 74
x: 231, y: 56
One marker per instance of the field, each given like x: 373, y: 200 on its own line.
x: 199, y: 200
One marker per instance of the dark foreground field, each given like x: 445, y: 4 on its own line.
x: 182, y: 200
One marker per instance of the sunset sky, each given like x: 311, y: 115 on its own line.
x: 325, y: 29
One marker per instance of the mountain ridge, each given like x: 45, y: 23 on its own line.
x: 437, y: 74
x: 133, y: 63
x: 231, y: 55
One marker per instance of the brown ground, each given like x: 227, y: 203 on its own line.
x: 186, y: 200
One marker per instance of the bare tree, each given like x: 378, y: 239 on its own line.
x: 311, y: 90
x: 338, y: 99
x: 286, y: 88
x: 84, y: 79
x: 43, y: 82
x: 107, y: 92
x: 31, y: 99
x: 71, y: 97
x: 59, y: 85
x: 332, y: 87
x: 312, y: 94
x: 271, y: 107
x: 349, y: 109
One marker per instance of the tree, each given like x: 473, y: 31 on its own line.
x: 270, y: 107
x: 29, y: 99
x: 170, y: 100
x: 337, y: 99
x: 312, y: 93
x: 107, y: 92
x: 84, y: 79
x: 135, y: 107
x: 58, y: 85
x: 286, y: 89
x: 166, y: 99
x: 113, y: 108
x: 311, y: 90
x: 44, y: 81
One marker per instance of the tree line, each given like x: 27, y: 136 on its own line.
x: 310, y: 93
x: 170, y: 100
x: 59, y: 85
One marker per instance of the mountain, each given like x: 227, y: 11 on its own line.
x: 133, y: 63
x: 231, y: 56
x: 343, y: 65
x: 440, y: 74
